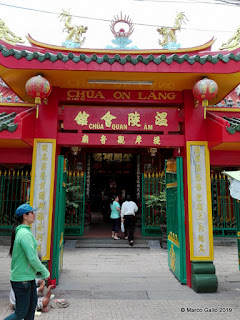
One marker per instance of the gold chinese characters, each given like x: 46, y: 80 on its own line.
x: 110, y: 121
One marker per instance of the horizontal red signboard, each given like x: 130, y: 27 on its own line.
x: 120, y: 140
x: 137, y: 96
x: 146, y: 119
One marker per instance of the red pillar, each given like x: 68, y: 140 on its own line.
x: 195, y: 130
x: 47, y: 122
x: 47, y: 128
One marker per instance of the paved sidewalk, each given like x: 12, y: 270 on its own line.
x: 133, y: 284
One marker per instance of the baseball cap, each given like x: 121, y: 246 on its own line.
x: 24, y: 208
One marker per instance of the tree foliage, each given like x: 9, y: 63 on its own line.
x: 73, y: 197
x: 157, y: 202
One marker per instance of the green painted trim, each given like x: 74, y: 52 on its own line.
x: 150, y: 187
x: 83, y: 204
x: 175, y: 221
x: 74, y: 224
x: 55, y: 237
x: 162, y: 58
x: 204, y: 283
x: 204, y: 279
x: 203, y: 268
x: 222, y: 226
x: 181, y: 215
x: 59, y: 219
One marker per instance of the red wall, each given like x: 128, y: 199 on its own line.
x: 225, y: 158
x: 17, y: 156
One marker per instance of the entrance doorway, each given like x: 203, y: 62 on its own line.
x: 99, y: 175
x: 111, y: 173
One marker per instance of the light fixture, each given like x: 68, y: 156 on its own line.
x: 101, y: 81
x: 75, y: 150
x: 152, y: 151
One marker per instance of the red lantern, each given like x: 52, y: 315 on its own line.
x: 204, y: 90
x: 38, y: 88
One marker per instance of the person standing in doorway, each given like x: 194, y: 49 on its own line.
x: 25, y: 264
x: 128, y: 210
x: 115, y: 216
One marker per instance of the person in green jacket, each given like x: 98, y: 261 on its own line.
x: 25, y: 264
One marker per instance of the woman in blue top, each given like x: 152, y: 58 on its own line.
x: 115, y: 216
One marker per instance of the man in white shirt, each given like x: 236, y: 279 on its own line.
x: 128, y: 210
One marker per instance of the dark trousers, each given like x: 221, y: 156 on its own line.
x: 26, y: 300
x: 129, y: 226
x: 116, y: 224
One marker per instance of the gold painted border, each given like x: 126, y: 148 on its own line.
x: 210, y: 257
x: 171, y: 185
x: 173, y: 238
x: 223, y: 109
x: 53, y: 141
x: 113, y: 106
x: 9, y: 104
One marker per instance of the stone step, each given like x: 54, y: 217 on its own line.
x: 110, y: 243
x: 5, y: 241
x: 225, y: 241
x: 141, y: 243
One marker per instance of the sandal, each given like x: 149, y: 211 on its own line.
x: 59, y: 303
x: 116, y: 238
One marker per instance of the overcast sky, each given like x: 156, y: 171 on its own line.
x: 207, y: 19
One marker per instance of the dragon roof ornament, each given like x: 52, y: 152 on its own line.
x: 75, y: 37
x: 7, y: 35
x: 233, y: 42
x: 169, y: 40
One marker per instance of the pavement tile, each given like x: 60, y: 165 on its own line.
x: 123, y: 284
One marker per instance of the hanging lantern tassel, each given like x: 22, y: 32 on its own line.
x: 37, y: 111
x: 38, y: 102
x: 204, y: 104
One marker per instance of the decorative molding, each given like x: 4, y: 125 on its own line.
x: 174, y: 238
x: 204, y: 47
x: 7, y: 121
x: 162, y: 58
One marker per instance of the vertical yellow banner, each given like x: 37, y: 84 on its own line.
x: 199, y: 202
x: 41, y: 194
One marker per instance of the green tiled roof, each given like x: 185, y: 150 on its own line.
x: 162, y: 58
x: 7, y: 121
